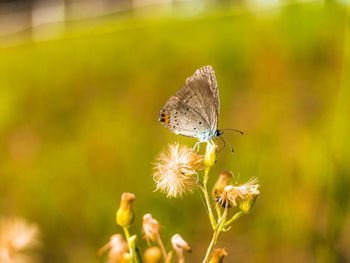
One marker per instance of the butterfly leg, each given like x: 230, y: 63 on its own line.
x: 196, y: 146
x: 211, y: 143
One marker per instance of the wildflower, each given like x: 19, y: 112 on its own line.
x: 242, y: 193
x: 118, y: 249
x: 179, y: 245
x: 218, y: 255
x: 125, y: 215
x: 151, y: 227
x: 246, y: 205
x: 223, y: 181
x: 16, y: 235
x: 175, y: 172
x: 153, y: 255
x: 210, y: 154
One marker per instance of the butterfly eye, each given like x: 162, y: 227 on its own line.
x: 218, y: 133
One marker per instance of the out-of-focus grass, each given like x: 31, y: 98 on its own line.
x: 78, y: 126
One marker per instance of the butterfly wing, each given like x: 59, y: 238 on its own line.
x: 207, y: 73
x: 192, y: 111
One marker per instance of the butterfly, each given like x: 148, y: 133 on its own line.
x: 195, y: 108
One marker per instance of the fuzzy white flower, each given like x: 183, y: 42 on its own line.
x: 175, y: 173
x: 241, y: 192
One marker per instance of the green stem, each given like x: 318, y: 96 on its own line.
x: 207, y: 201
x: 206, y: 177
x: 135, y: 255
x: 218, y: 210
x: 211, y: 246
x: 234, y: 218
x: 127, y: 235
x: 222, y: 219
x: 217, y: 230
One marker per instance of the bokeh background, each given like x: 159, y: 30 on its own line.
x: 81, y: 85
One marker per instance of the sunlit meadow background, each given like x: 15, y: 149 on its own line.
x: 78, y: 126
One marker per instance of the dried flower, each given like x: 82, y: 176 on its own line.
x: 151, y: 227
x: 16, y: 235
x: 240, y: 193
x: 210, y: 154
x: 153, y: 255
x: 118, y: 249
x: 125, y: 215
x: 223, y: 181
x: 179, y: 244
x: 218, y: 255
x: 175, y: 172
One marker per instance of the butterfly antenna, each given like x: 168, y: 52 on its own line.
x: 224, y: 144
x: 240, y: 132
x: 228, y: 143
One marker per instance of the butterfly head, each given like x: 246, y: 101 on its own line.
x: 218, y: 133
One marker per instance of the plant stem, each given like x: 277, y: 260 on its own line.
x: 132, y: 246
x: 211, y: 246
x: 210, y: 211
x: 218, y: 211
x: 162, y: 247
x: 181, y: 258
x: 127, y: 235
x: 217, y: 230
x: 234, y: 218
x: 222, y: 220
x: 206, y: 177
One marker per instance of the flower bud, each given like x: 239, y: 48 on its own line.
x: 218, y: 255
x: 210, y: 155
x: 153, y: 255
x: 151, y: 227
x: 247, y: 204
x: 223, y: 181
x: 125, y: 215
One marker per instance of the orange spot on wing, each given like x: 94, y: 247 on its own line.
x: 164, y: 117
x: 167, y: 118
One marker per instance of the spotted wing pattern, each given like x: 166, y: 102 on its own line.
x: 192, y: 111
x: 207, y: 73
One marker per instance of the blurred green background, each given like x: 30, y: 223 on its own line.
x: 78, y: 126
